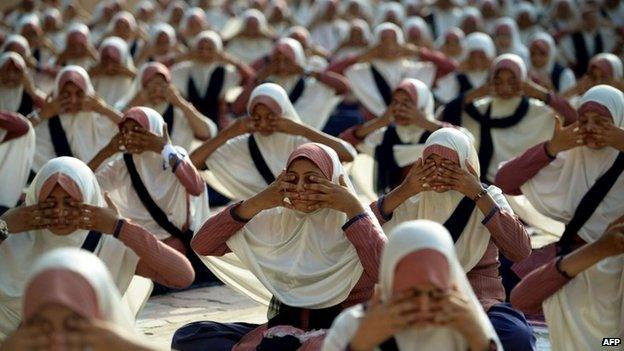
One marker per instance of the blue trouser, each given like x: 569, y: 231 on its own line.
x: 512, y: 328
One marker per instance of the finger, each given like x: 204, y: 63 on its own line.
x: 321, y: 180
x: 110, y: 202
x: 341, y: 180
x: 45, y: 204
x: 470, y: 168
x: 317, y: 187
x: 558, y: 123
x: 285, y: 186
x: 314, y: 197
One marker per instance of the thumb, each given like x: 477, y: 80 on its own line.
x: 558, y: 123
x: 110, y: 202
x: 341, y: 180
x: 376, y: 298
x: 471, y: 169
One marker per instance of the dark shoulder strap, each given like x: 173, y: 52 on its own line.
x: 423, y: 138
x: 157, y: 214
x: 26, y: 105
x: 168, y: 117
x: 388, y: 170
x: 92, y: 241
x: 555, y: 75
x: 458, y: 220
x: 297, y: 90
x: 59, y: 138
x: 389, y: 345
x: 208, y: 102
x: 590, y: 202
x: 430, y: 19
x: 382, y: 86
x: 258, y: 160
x: 464, y: 82
x: 598, y: 44
x: 581, y: 53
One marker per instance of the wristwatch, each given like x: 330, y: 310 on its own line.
x: 4, y: 230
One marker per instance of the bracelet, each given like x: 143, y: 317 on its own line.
x: 479, y: 195
x: 118, y: 226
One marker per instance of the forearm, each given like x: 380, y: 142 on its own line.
x: 334, y: 80
x: 111, y: 113
x: 239, y: 106
x: 563, y: 108
x: 394, y: 199
x: 101, y: 156
x: 365, y: 129
x: 368, y: 238
x: 513, y: 174
x: 536, y: 287
x: 14, y: 125
x: 211, y: 237
x: 338, y: 145
x: 508, y: 234
x: 189, y: 177
x: 197, y: 122
x: 201, y: 154
x: 157, y: 260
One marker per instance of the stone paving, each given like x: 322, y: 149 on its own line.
x: 164, y: 314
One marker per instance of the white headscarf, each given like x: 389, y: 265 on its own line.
x: 303, y: 259
x: 97, y: 274
x: 87, y: 131
x: 232, y: 164
x: 16, y: 157
x: 447, y: 87
x: 11, y: 97
x: 438, y: 207
x: 614, y: 62
x: 516, y: 46
x: 361, y: 78
x: 407, y: 238
x: 559, y: 187
x: 20, y: 250
x: 114, y: 88
x: 83, y: 62
x: 421, y: 25
x: 318, y: 101
x: 247, y: 49
x: 552, y: 52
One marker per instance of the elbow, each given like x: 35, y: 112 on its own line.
x: 347, y: 156
x: 197, y: 188
x: 501, y: 182
x: 520, y: 301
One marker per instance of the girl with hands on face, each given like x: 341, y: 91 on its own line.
x: 604, y: 68
x: 74, y: 121
x: 113, y: 73
x: 78, y: 50
x: 18, y: 92
x: 248, y: 36
x: 71, y: 303
x: 568, y: 283
x: 274, y: 128
x: 399, y: 134
x: 424, y: 302
x: 444, y: 186
x: 295, y: 245
x: 153, y: 87
x: 65, y: 207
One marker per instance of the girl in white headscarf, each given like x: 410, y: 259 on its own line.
x: 153, y: 183
x: 74, y: 121
x: 248, y: 37
x: 543, y: 66
x: 193, y: 22
x: 503, y: 109
x: 576, y: 176
x: 112, y: 74
x: 313, y: 93
x: 564, y: 290
x: 30, y: 28
x: 395, y: 139
x: 506, y: 36
x: 207, y: 74
x: 452, y: 43
x: 383, y: 67
x: 52, y: 25
x: 604, y: 68
x: 392, y: 12
x: 310, y: 242
x: 417, y: 32
x: 124, y: 26
x: 356, y: 41
x: 17, y: 149
x: 17, y: 90
x: 442, y: 15
x: 162, y: 46
x: 77, y: 49
x: 491, y: 11
x: 64, y: 207
x: 471, y: 21
x: 71, y: 294
x: 562, y: 17
x: 473, y: 70
x: 444, y: 186
x: 419, y: 272
x: 248, y: 155
x: 153, y: 88
x: 279, y: 16
x: 527, y: 19
x: 327, y: 29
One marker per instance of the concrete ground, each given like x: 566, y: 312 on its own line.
x: 164, y: 314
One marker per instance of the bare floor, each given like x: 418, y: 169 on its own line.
x: 164, y: 314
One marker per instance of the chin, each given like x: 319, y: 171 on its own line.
x: 302, y: 206
x: 592, y: 145
x: 440, y: 191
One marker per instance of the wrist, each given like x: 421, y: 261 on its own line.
x: 551, y: 149
x: 354, y: 208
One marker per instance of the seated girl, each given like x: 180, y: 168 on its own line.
x: 249, y: 154
x: 424, y: 301
x: 71, y: 303
x: 444, y: 186
x: 64, y: 207
x: 310, y: 242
